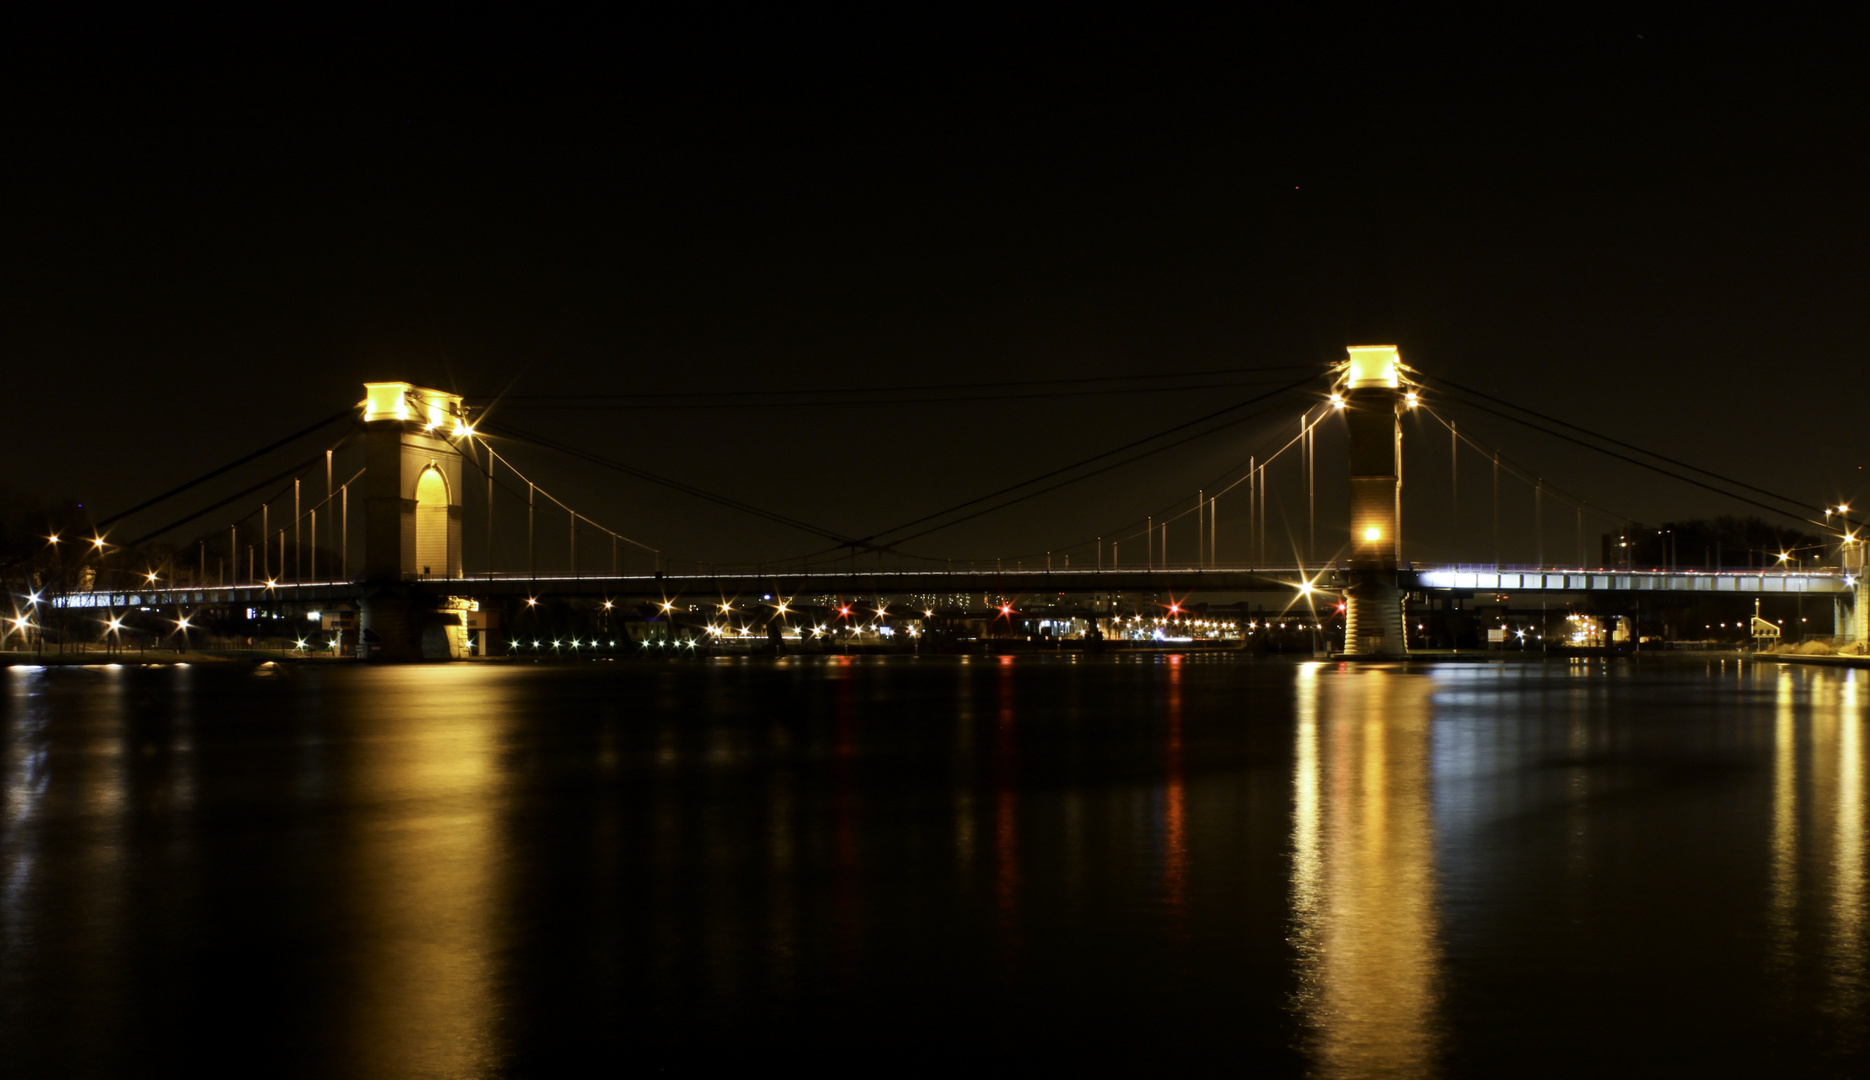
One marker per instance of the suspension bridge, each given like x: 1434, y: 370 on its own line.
x: 371, y: 534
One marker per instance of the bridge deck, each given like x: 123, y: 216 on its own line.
x: 932, y: 583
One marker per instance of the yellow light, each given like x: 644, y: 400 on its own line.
x: 782, y: 607
x: 607, y: 605
x: 99, y: 541
x: 1412, y: 399
x: 53, y: 539
x: 151, y: 575
x: 1373, y: 365
x: 385, y: 401
x: 1373, y: 534
x: 1337, y: 401
x: 530, y: 602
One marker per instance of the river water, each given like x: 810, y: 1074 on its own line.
x: 918, y: 866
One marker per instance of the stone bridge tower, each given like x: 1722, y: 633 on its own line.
x: 412, y: 490
x: 1371, y: 396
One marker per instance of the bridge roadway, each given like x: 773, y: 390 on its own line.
x: 1177, y: 581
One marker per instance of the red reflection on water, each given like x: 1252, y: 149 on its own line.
x: 1006, y: 804
x: 1174, y: 838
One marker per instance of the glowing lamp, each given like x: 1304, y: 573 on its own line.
x: 1373, y: 534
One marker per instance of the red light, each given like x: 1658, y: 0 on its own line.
x: 1175, y: 609
x: 1340, y: 607
x: 844, y: 611
x: 1006, y: 609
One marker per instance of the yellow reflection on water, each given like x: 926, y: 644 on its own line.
x: 1363, y: 883
x: 1782, y: 912
x: 1847, y: 906
x: 427, y: 867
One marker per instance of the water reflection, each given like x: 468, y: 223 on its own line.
x: 426, y: 860
x: 1364, y: 871
x: 1782, y: 911
x: 1847, y: 902
x: 1174, y: 826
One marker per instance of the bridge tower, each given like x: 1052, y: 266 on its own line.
x: 1371, y: 395
x: 412, y: 518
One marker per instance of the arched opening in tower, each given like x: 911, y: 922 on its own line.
x: 432, y: 523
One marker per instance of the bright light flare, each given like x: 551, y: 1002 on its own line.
x: 1373, y: 534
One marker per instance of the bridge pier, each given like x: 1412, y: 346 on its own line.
x: 1371, y: 397
x: 1373, y: 618
x: 394, y: 625
x: 412, y: 522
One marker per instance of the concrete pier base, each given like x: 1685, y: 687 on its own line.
x: 394, y: 626
x: 1373, y: 619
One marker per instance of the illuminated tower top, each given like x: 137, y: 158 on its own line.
x: 433, y: 409
x: 1373, y: 366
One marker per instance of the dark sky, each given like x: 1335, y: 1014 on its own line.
x: 1655, y: 229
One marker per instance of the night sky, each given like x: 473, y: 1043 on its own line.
x: 1656, y: 230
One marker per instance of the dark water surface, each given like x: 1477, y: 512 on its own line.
x: 903, y: 866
